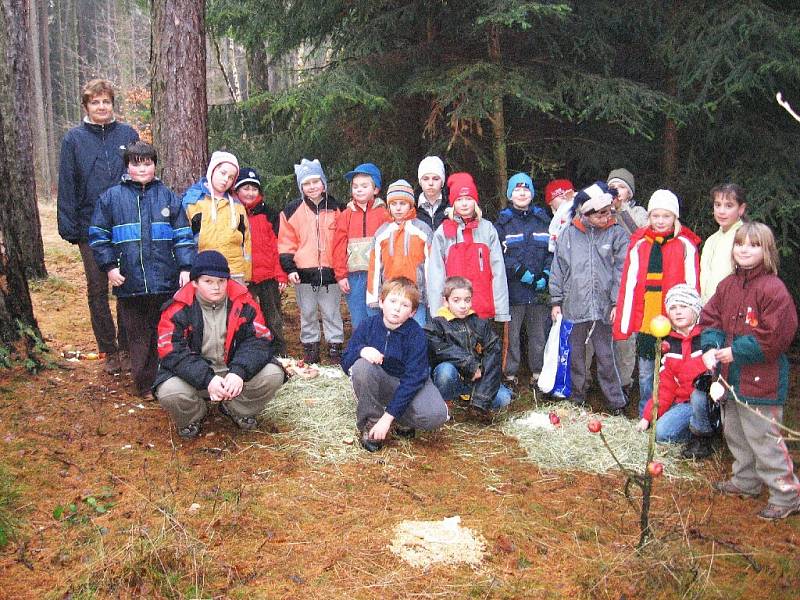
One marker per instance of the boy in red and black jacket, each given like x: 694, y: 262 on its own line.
x: 213, y: 345
x: 269, y: 279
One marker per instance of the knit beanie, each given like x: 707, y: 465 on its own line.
x: 400, y: 191
x: 247, y: 175
x: 209, y: 262
x: 684, y: 293
x: 623, y: 176
x: 666, y: 200
x: 593, y: 198
x: 520, y: 179
x: 217, y: 158
x: 366, y: 169
x: 308, y: 169
x: 556, y: 188
x: 430, y: 164
x: 461, y: 185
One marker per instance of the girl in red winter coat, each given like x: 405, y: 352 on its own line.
x: 268, y: 280
x: 660, y: 256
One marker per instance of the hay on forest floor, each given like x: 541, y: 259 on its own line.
x: 571, y: 446
x: 320, y: 413
x: 425, y: 543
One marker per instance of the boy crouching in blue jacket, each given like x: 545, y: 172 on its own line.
x: 387, y: 359
x: 141, y: 238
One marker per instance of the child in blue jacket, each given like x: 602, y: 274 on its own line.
x: 523, y: 231
x: 141, y: 237
x: 387, y: 359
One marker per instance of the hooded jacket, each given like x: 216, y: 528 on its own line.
x: 400, y: 250
x: 405, y: 357
x: 681, y: 363
x: 264, y: 243
x: 91, y: 162
x: 354, y: 236
x: 472, y: 250
x: 220, y: 223
x: 467, y: 343
x: 143, y: 230
x: 180, y: 338
x: 432, y: 220
x: 680, y: 264
x: 524, y: 237
x: 753, y: 313
x: 586, y: 270
x: 305, y: 239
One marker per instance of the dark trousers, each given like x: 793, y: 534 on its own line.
x: 105, y: 333
x: 140, y: 315
x: 269, y: 298
x: 607, y: 372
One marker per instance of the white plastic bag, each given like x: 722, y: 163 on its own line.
x: 547, y: 378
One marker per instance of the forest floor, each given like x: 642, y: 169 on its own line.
x: 114, y: 505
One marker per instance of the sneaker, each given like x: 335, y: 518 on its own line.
x: 698, y: 447
x: 112, y: 365
x: 772, y: 512
x: 192, y: 430
x: 617, y: 411
x: 729, y: 488
x: 335, y: 354
x: 480, y: 414
x: 368, y: 444
x: 311, y: 353
x: 510, y: 381
x: 246, y: 423
x: 534, y: 378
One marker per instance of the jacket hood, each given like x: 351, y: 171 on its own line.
x: 448, y: 314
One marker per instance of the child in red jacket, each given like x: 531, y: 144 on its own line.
x: 268, y: 279
x: 682, y: 409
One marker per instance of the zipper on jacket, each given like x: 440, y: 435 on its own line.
x: 386, y: 342
x: 141, y: 256
x: 480, y: 259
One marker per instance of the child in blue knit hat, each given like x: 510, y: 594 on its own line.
x: 523, y: 231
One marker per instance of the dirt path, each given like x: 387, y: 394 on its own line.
x: 142, y: 514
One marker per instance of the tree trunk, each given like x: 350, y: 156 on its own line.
x: 41, y: 156
x: 47, y: 88
x: 180, y: 110
x: 257, y: 69
x: 17, y: 202
x: 498, y: 122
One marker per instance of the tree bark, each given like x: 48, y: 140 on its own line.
x: 180, y: 110
x: 17, y: 194
x: 498, y: 122
x: 47, y: 88
x: 41, y: 156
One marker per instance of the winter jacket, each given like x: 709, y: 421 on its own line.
x: 400, y: 250
x: 753, y: 313
x: 143, y: 230
x: 681, y: 363
x: 305, y: 239
x: 180, y: 338
x: 405, y: 356
x: 91, y: 162
x: 471, y: 250
x: 264, y: 245
x: 524, y: 237
x: 630, y: 216
x: 680, y: 264
x: 432, y: 220
x: 467, y: 343
x: 716, y: 260
x: 355, y: 235
x: 220, y: 224
x: 586, y: 270
x: 559, y: 222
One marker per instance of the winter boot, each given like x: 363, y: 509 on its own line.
x: 335, y: 353
x: 311, y: 353
x: 698, y: 447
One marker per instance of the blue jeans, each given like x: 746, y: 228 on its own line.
x: 646, y: 369
x: 421, y: 316
x: 451, y: 385
x: 674, y: 425
x: 357, y: 298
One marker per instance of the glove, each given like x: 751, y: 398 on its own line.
x: 542, y: 282
x: 527, y: 277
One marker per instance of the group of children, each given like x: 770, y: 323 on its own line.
x: 422, y: 275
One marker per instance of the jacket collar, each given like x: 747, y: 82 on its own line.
x: 448, y: 315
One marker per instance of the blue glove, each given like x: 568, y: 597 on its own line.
x: 541, y: 284
x: 527, y: 277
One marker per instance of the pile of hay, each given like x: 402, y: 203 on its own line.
x: 425, y: 543
x: 320, y: 413
x: 571, y: 446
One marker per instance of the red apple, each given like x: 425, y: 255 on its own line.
x: 664, y: 347
x: 554, y: 419
x: 595, y: 426
x: 655, y: 468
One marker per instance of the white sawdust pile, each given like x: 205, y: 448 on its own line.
x: 427, y: 543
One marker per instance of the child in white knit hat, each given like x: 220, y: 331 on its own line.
x: 432, y: 200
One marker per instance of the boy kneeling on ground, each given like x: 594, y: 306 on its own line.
x: 466, y: 352
x: 213, y: 345
x: 387, y: 359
